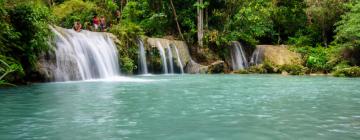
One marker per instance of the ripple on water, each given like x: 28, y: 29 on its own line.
x: 184, y: 107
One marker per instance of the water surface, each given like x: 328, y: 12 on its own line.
x: 185, y: 107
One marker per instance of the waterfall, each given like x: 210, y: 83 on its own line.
x: 178, y: 59
x: 142, y: 58
x: 256, y: 57
x: 238, y: 57
x: 163, y: 57
x: 170, y: 59
x: 84, y: 55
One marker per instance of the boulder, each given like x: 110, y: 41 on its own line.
x: 277, y: 55
x: 216, y: 67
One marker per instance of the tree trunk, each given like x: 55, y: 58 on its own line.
x: 324, y: 31
x: 176, y: 20
x: 200, y: 23
x: 206, y: 19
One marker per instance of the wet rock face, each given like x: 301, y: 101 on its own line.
x: 216, y: 67
x: 167, y: 56
x: 45, y: 68
x: 278, y: 55
x: 195, y: 68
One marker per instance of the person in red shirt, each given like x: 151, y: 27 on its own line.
x: 96, y: 22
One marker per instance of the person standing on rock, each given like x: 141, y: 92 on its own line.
x: 96, y: 22
x: 103, y: 24
x: 77, y: 26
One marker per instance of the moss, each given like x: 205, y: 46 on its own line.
x: 348, y: 72
x: 242, y: 72
x: 257, y: 69
x: 293, y: 69
x: 268, y: 67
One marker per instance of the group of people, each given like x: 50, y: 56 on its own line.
x: 98, y: 24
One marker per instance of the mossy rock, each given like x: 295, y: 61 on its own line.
x: 243, y: 71
x: 293, y: 69
x: 216, y: 67
x: 257, y: 69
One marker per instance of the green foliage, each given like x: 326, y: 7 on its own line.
x: 154, y: 25
x: 30, y: 21
x: 72, y: 10
x: 288, y: 17
x: 24, y: 36
x: 300, y: 40
x: 319, y: 59
x: 127, y: 31
x: 348, y: 72
x: 341, y: 65
x: 8, y: 66
x: 293, y: 69
x: 251, y: 21
x: 322, y: 15
x: 135, y: 11
x: 128, y: 34
x: 348, y: 29
x: 127, y: 65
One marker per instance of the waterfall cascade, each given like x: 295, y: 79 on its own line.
x: 170, y: 59
x: 168, y: 54
x: 163, y: 57
x: 178, y: 59
x: 238, y: 57
x: 142, y: 58
x: 257, y: 56
x: 84, y: 55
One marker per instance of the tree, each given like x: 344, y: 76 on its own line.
x: 348, y: 29
x: 323, y: 14
x: 289, y: 17
x: 200, y: 21
x: 176, y: 19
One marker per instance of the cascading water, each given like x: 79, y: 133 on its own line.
x: 163, y: 56
x: 84, y: 55
x: 170, y: 59
x: 238, y: 57
x: 256, y: 57
x: 178, y: 59
x: 142, y: 58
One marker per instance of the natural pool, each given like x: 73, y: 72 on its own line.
x: 185, y: 107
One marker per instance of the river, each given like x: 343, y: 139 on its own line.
x: 184, y: 107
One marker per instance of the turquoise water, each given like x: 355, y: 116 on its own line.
x: 188, y: 107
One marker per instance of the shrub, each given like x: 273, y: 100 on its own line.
x: 128, y: 33
x: 72, y: 10
x: 319, y: 59
x: 127, y: 65
x: 7, y: 67
x: 293, y: 69
x: 30, y: 21
x: 348, y: 72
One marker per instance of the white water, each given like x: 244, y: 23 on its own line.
x: 256, y: 57
x: 163, y: 56
x: 238, y: 57
x: 170, y: 59
x: 142, y: 58
x: 178, y: 59
x: 84, y: 55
